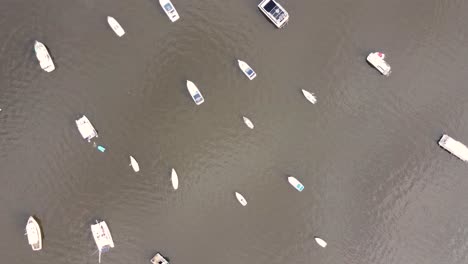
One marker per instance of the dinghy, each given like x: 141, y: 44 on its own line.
x: 86, y: 129
x: 195, y: 93
x: 119, y: 31
x: 170, y: 10
x: 241, y: 199
x: 134, y: 164
x: 42, y: 54
x: 159, y: 259
x: 33, y: 231
x: 246, y: 69
x: 248, y: 122
x: 102, y: 237
x: 295, y: 183
x: 309, y: 96
x: 377, y: 59
x: 320, y: 241
x: 174, y: 179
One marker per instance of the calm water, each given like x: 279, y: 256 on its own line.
x: 378, y: 189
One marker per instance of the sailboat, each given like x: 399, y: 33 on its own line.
x: 102, y: 237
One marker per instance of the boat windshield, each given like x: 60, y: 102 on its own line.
x: 250, y: 72
x: 168, y: 7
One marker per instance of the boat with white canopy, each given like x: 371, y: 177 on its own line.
x: 377, y: 59
x: 455, y: 147
x: 86, y: 129
x: 102, y: 237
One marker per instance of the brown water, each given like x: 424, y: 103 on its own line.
x: 378, y: 189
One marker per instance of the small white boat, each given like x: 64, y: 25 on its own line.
x: 320, y: 241
x: 86, y: 129
x: 33, y: 231
x: 170, y: 10
x: 159, y: 259
x: 246, y: 69
x: 42, y: 54
x: 377, y: 59
x: 174, y: 179
x: 309, y: 96
x: 119, y: 31
x: 248, y: 122
x: 102, y: 237
x: 295, y: 183
x: 195, y: 93
x: 241, y: 199
x: 275, y: 12
x: 455, y: 147
x: 134, y: 164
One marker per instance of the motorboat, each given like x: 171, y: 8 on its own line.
x: 33, y: 231
x: 295, y: 183
x: 248, y: 122
x: 195, y: 93
x: 247, y: 70
x: 170, y: 10
x: 42, y: 54
x: 134, y: 164
x: 119, y: 31
x: 309, y: 96
x: 102, y: 237
x: 174, y: 179
x: 86, y: 129
x: 275, y: 12
x: 241, y: 199
x: 377, y: 59
x: 320, y: 241
x: 159, y: 259
x: 455, y: 147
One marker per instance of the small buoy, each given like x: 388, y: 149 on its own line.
x: 320, y: 241
x: 101, y: 148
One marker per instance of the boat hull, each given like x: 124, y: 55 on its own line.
x: 102, y: 236
x: 295, y: 183
x: 174, y: 179
x: 247, y: 70
x: 377, y: 59
x: 248, y: 123
x: 241, y: 199
x: 195, y: 93
x: 134, y: 164
x: 34, y: 234
x: 169, y: 9
x: 43, y: 56
x: 309, y: 96
x: 115, y: 26
x: 86, y: 128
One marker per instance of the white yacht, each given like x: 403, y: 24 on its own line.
x: 33, y: 231
x: 134, y: 164
x: 309, y: 96
x: 42, y: 54
x: 86, y: 129
x: 295, y: 183
x: 241, y: 199
x: 170, y: 10
x: 275, y: 12
x: 119, y: 31
x: 248, y: 123
x: 195, y: 93
x: 320, y: 241
x: 102, y: 237
x: 377, y: 59
x: 455, y: 147
x: 174, y: 179
x: 247, y: 70
x: 159, y: 259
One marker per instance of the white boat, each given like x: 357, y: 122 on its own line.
x: 241, y: 199
x: 42, y: 54
x: 320, y: 241
x: 295, y: 183
x: 455, y: 147
x: 33, y: 231
x: 102, y: 237
x: 119, y: 31
x: 134, y: 164
x: 377, y: 59
x: 309, y: 96
x: 170, y: 10
x: 246, y: 69
x: 275, y: 12
x: 174, y: 179
x: 195, y: 93
x: 248, y: 122
x: 86, y: 129
x: 159, y: 259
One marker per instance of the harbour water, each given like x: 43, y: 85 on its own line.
x: 378, y: 188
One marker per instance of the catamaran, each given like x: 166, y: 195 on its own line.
x: 195, y: 93
x: 170, y: 10
x: 174, y: 179
x: 33, y: 231
x: 86, y: 129
x: 248, y: 123
x: 309, y: 96
x: 134, y: 164
x: 241, y: 199
x: 247, y: 70
x: 377, y: 59
x: 119, y: 31
x: 102, y: 237
x: 275, y: 12
x: 42, y: 54
x: 295, y: 183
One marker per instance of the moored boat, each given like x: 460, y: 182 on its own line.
x: 295, y: 183
x: 377, y: 59
x: 42, y: 54
x: 33, y: 231
x: 170, y: 10
x: 102, y: 236
x: 248, y: 123
x: 320, y: 241
x: 309, y: 96
x: 86, y: 129
x: 195, y: 93
x: 174, y: 179
x: 159, y: 259
x: 116, y: 27
x: 455, y: 147
x: 247, y: 70
x: 241, y: 199
x: 275, y: 12
x: 134, y: 164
